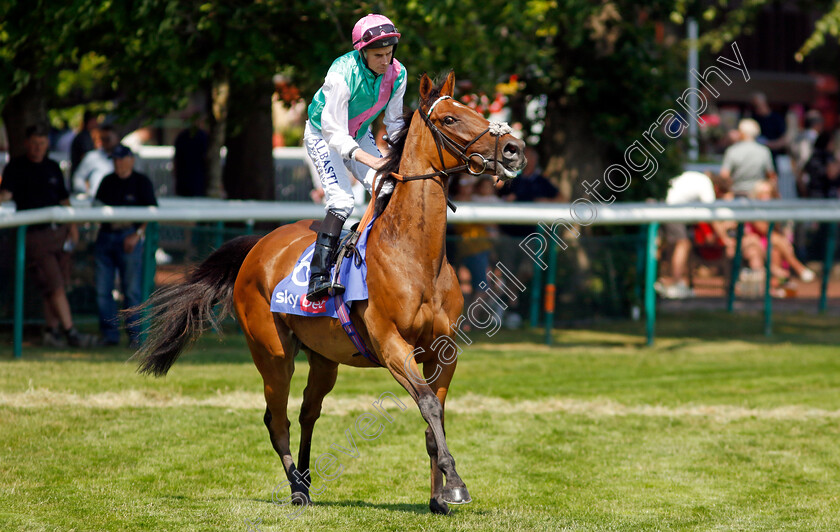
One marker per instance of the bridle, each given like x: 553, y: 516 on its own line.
x: 442, y: 141
x: 495, y: 129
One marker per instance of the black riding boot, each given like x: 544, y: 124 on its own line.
x: 323, y: 258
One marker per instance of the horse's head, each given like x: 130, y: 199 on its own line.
x: 464, y: 137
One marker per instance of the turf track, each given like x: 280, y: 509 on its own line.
x: 715, y: 428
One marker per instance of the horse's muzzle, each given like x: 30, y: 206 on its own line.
x: 513, y: 156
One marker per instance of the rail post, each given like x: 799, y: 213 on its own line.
x: 736, y: 268
x: 827, y: 265
x: 536, y: 288
x: 650, y: 279
x: 149, y: 264
x: 550, y: 290
x: 20, y: 264
x: 768, y: 298
x: 220, y: 234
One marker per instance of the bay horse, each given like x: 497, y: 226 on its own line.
x: 414, y: 296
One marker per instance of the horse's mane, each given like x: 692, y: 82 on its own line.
x: 397, y: 146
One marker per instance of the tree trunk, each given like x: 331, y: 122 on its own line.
x: 573, y: 155
x: 249, y: 167
x: 216, y: 123
x: 26, y: 108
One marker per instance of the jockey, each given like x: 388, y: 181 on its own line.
x: 358, y: 87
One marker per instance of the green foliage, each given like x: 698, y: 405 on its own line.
x: 720, y: 23
x: 170, y: 49
x: 602, y: 58
x: 608, y: 59
x: 828, y: 25
x: 91, y: 73
x: 39, y: 39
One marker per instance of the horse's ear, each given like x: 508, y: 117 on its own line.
x: 426, y: 87
x: 448, y: 87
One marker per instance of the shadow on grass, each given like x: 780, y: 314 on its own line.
x: 721, y: 326
x: 560, y: 338
x: 417, y: 509
x: 207, y: 350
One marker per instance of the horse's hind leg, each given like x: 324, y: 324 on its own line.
x: 322, y: 374
x: 273, y: 348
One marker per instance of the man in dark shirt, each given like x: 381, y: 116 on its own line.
x: 772, y: 125
x: 531, y: 186
x: 34, y: 181
x: 119, y: 246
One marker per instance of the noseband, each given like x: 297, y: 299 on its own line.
x: 442, y: 141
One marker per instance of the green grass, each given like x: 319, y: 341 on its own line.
x: 715, y: 427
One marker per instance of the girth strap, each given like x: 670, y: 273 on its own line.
x: 352, y: 333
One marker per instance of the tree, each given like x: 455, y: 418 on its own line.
x: 600, y: 66
x: 38, y: 40
x: 153, y: 55
x: 229, y: 50
x: 828, y: 25
x: 607, y: 69
x: 173, y: 49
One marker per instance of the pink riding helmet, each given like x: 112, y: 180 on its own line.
x: 374, y: 31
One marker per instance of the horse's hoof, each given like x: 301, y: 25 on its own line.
x: 438, y: 507
x: 301, y: 499
x: 456, y: 495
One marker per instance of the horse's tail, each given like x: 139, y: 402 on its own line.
x: 177, y: 314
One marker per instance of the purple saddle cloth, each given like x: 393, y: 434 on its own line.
x: 289, y: 295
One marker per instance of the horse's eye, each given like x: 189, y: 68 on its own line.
x: 449, y: 120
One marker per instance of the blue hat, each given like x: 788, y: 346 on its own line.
x: 121, y: 151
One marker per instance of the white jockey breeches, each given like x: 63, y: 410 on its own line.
x: 333, y: 169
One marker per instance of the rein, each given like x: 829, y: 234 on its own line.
x: 441, y: 139
x: 349, y: 249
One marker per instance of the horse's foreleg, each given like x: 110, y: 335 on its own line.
x: 455, y: 491
x: 322, y: 375
x: 440, y: 385
x: 399, y: 359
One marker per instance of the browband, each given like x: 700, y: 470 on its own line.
x: 432, y: 108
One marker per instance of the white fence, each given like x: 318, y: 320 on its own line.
x: 294, y: 173
x: 203, y: 209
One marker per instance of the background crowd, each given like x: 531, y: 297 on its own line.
x: 763, y: 160
x: 769, y: 156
